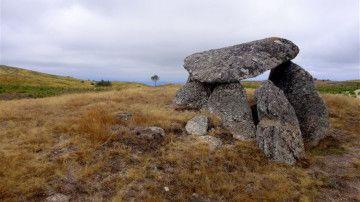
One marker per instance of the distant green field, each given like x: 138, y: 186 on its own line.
x: 338, y: 87
x: 24, y: 91
x: 21, y: 83
x: 323, y: 86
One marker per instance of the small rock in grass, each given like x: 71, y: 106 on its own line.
x: 58, y: 198
x: 123, y: 116
x: 198, y: 125
x: 150, y: 133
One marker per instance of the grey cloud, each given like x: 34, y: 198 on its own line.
x: 125, y: 40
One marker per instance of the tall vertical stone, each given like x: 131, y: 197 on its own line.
x: 299, y: 88
x: 229, y: 102
x: 278, y: 133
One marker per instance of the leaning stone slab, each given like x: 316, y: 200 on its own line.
x: 229, y: 102
x: 299, y: 88
x: 234, y: 63
x: 193, y: 95
x: 278, y: 133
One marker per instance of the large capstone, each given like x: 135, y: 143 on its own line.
x: 229, y: 102
x: 299, y: 88
x: 278, y: 133
x: 234, y: 63
x: 193, y: 95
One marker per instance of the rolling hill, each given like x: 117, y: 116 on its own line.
x: 22, y: 83
x: 18, y: 76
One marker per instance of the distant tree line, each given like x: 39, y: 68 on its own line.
x: 102, y: 83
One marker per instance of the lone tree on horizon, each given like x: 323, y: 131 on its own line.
x: 155, y: 78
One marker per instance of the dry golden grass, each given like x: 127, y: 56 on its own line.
x: 17, y: 76
x: 66, y: 145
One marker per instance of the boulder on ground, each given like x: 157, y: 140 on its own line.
x: 150, y: 133
x: 229, y: 102
x: 193, y: 95
x: 299, y: 88
x: 198, y: 125
x: 278, y: 133
x: 234, y: 63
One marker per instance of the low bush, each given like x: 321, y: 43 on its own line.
x: 103, y: 83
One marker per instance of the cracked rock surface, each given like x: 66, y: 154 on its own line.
x: 278, y: 133
x: 310, y: 109
x: 229, y: 102
x: 193, y: 95
x: 234, y: 63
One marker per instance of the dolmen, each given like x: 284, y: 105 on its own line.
x: 291, y: 116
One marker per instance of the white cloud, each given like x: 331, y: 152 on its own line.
x: 126, y: 40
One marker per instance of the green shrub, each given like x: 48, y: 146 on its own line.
x: 103, y: 83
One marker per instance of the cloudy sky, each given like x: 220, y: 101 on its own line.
x: 131, y: 40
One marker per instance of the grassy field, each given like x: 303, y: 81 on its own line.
x: 21, y: 83
x: 67, y: 144
x: 71, y: 144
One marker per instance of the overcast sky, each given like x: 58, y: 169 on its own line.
x: 131, y: 40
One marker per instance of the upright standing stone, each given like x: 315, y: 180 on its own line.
x: 278, y: 133
x: 193, y: 95
x: 229, y: 102
x: 299, y: 88
x: 234, y: 63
